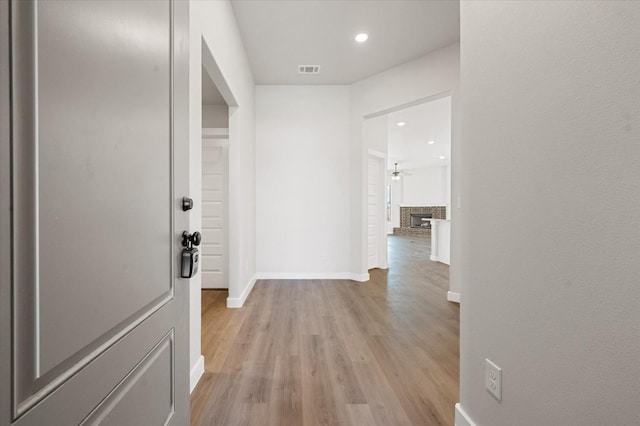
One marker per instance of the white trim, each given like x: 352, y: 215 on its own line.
x: 434, y: 258
x: 237, y: 302
x: 215, y: 133
x: 359, y: 277
x: 211, y: 66
x: 378, y: 154
x: 453, y: 297
x: 312, y: 276
x: 408, y: 104
x: 462, y: 418
x: 196, y: 373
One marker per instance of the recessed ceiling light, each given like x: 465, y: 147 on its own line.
x: 442, y: 157
x: 401, y: 123
x: 431, y: 142
x: 362, y: 37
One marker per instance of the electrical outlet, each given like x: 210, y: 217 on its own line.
x: 493, y: 379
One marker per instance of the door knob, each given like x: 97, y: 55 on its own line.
x: 191, y: 239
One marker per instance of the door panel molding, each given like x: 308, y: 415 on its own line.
x: 6, y: 254
x: 24, y: 194
x: 106, y: 407
x: 46, y: 384
x: 89, y: 386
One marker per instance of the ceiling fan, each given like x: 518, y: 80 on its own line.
x: 396, y: 174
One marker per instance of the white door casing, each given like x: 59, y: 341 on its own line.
x: 214, y: 211
x: 94, y: 163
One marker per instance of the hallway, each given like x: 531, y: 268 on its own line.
x: 383, y: 352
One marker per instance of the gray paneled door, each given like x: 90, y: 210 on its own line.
x: 94, y: 162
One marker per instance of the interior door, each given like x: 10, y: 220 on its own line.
x: 93, y: 152
x: 214, y: 171
x: 373, y: 219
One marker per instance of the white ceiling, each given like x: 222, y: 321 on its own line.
x: 210, y: 94
x: 408, y: 145
x: 280, y: 35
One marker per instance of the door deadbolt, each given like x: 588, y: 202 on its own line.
x: 187, y: 204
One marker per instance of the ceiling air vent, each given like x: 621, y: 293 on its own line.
x: 308, y: 69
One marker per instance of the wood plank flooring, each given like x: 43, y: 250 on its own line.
x: 334, y: 352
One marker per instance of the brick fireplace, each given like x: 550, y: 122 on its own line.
x: 414, y: 220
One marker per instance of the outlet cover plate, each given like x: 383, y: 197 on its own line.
x: 493, y: 379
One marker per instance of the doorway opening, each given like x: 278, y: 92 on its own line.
x: 211, y: 178
x: 415, y: 141
x: 214, y: 264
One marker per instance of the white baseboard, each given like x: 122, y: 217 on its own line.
x: 439, y: 259
x: 312, y: 276
x: 453, y: 297
x: 237, y: 302
x: 303, y: 276
x: 462, y: 418
x: 359, y: 277
x: 196, y: 372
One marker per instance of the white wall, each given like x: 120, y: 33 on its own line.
x: 376, y: 133
x: 302, y: 175
x: 441, y: 240
x: 434, y: 74
x: 214, y: 22
x: 425, y: 187
x: 215, y: 116
x: 551, y: 199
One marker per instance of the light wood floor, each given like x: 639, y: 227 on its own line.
x: 318, y: 352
